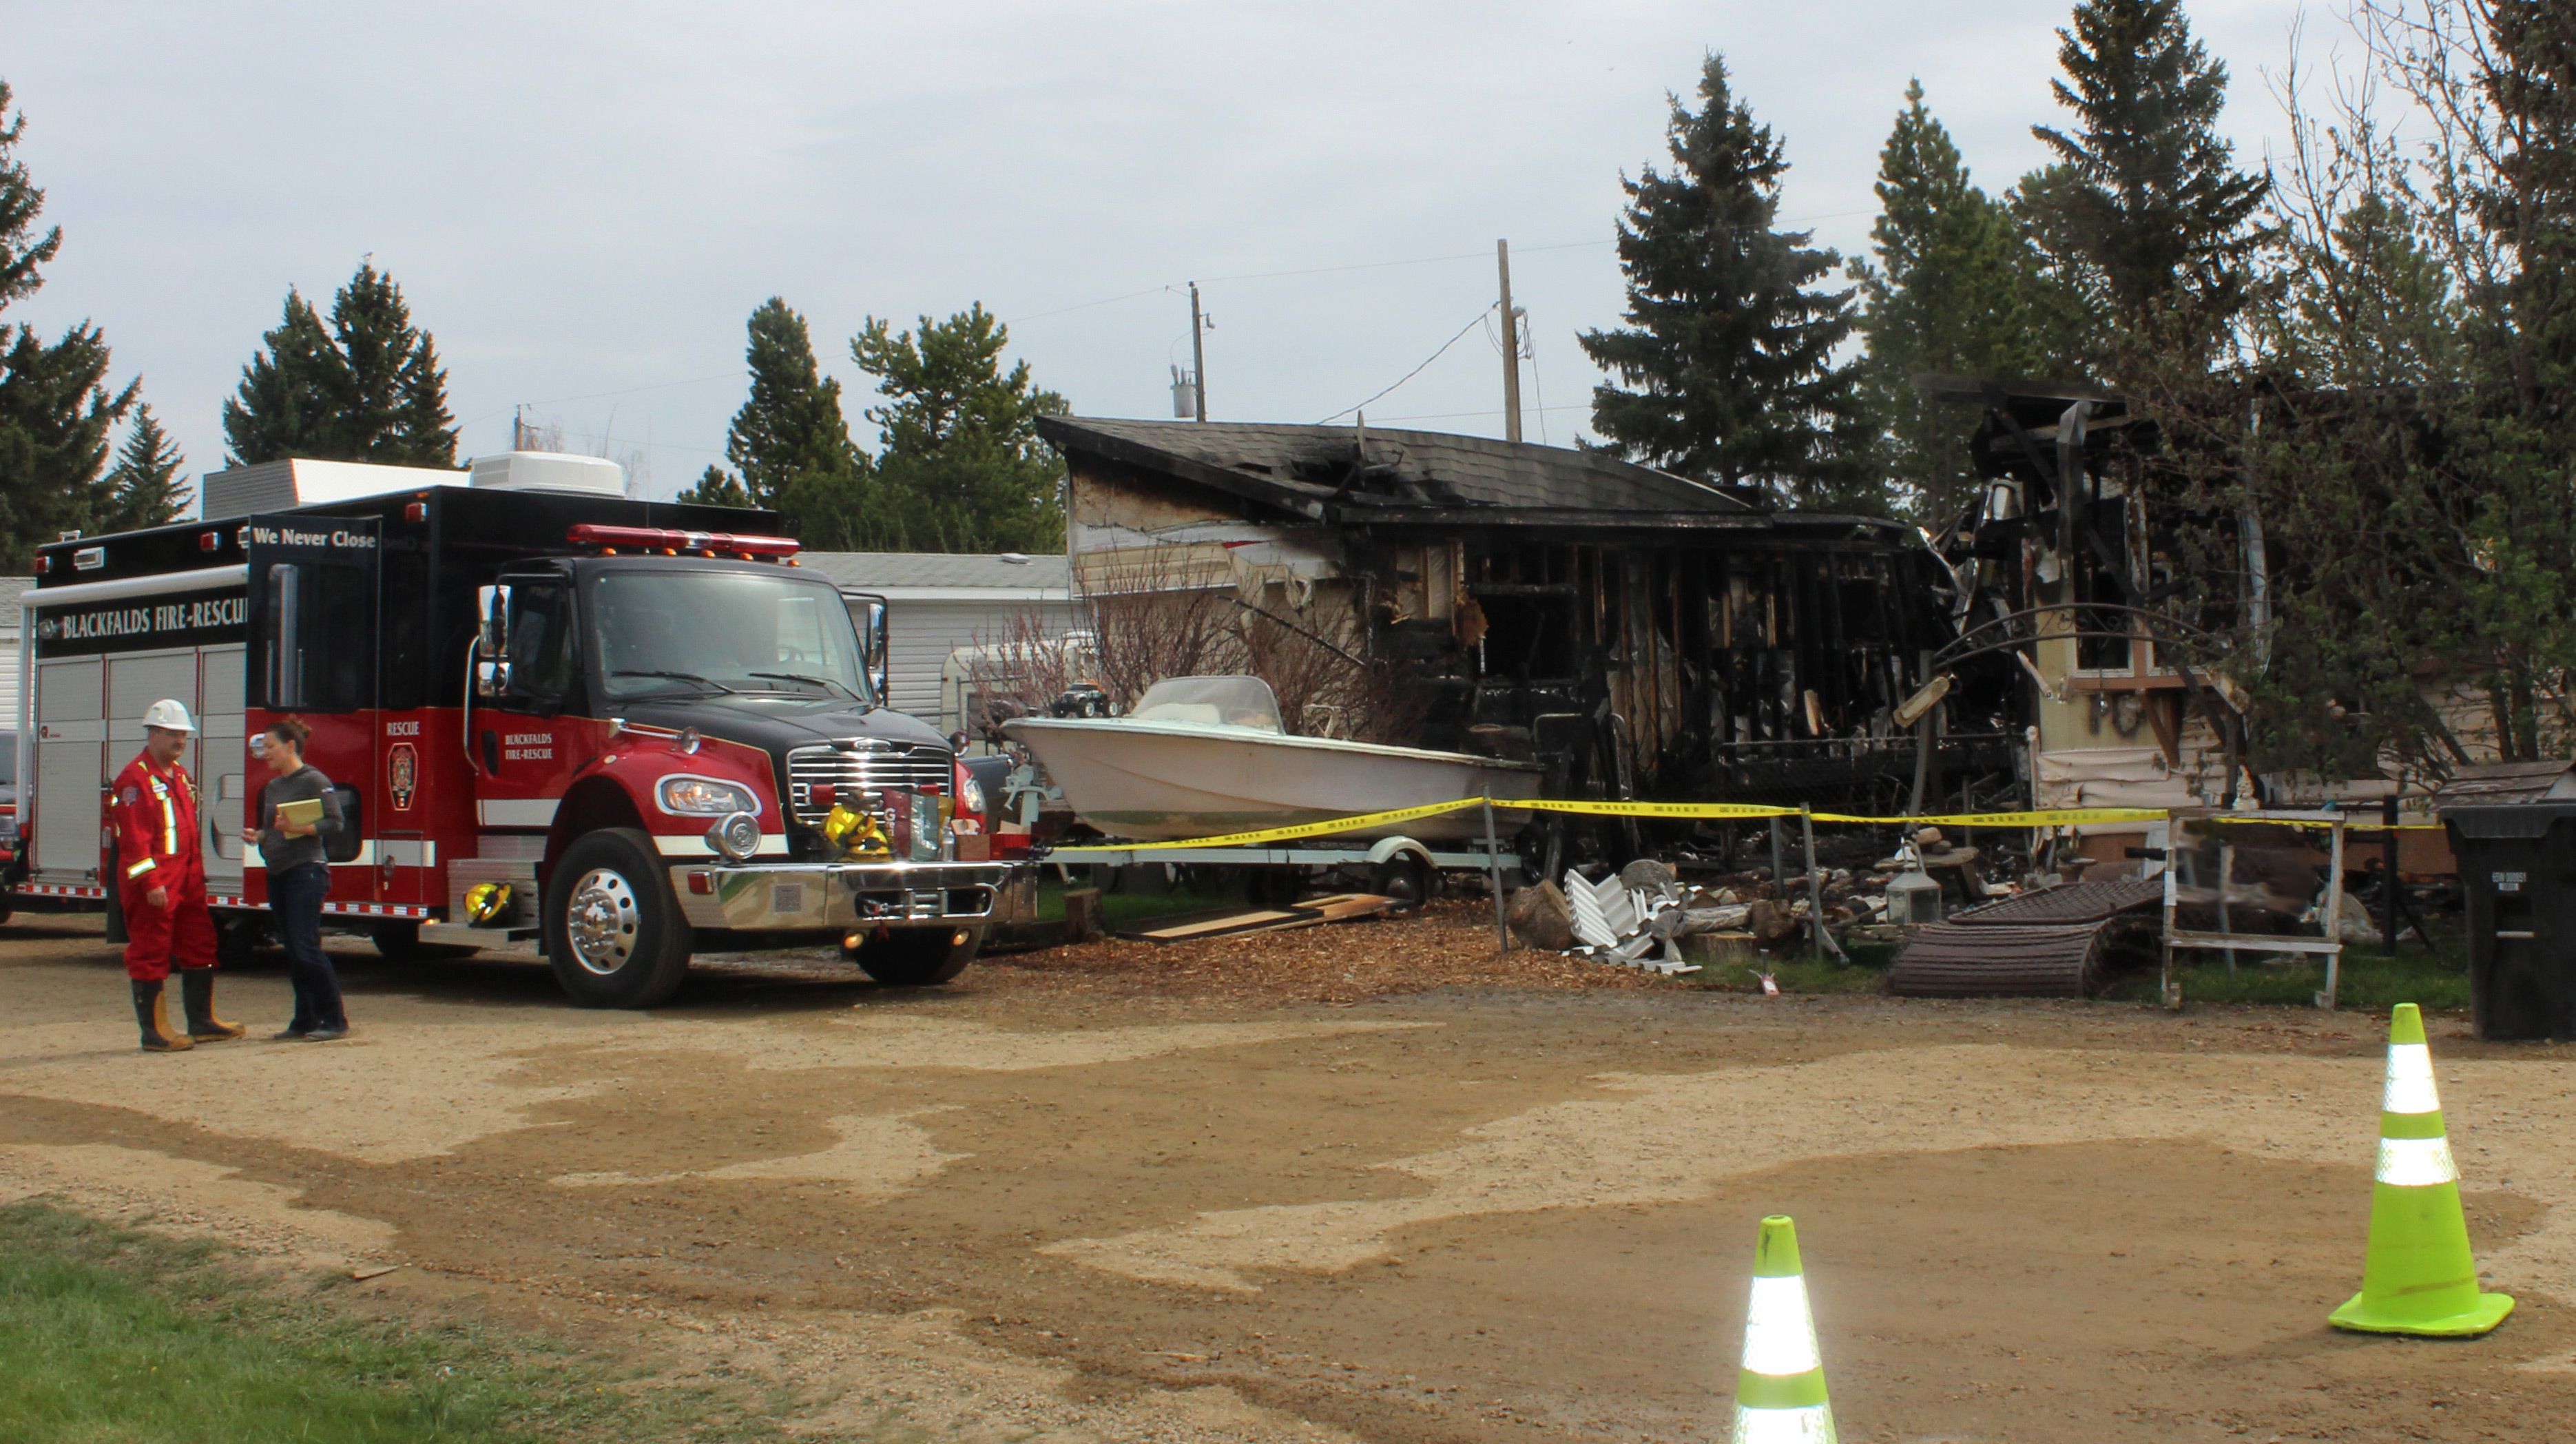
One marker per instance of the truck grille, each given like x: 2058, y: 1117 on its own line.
x: 862, y: 774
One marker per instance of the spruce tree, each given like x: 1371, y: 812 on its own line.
x: 284, y: 404
x: 791, y: 426
x: 21, y: 252
x: 961, y: 467
x: 1727, y: 368
x: 56, y: 409
x: 2530, y: 199
x: 716, y: 487
x: 143, y: 488
x: 2144, y: 214
x: 56, y: 414
x: 1955, y: 290
x: 369, y: 388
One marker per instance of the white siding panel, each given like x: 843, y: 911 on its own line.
x: 921, y: 636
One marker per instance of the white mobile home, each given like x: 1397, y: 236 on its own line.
x: 938, y: 602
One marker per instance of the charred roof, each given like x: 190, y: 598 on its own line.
x: 1354, y: 474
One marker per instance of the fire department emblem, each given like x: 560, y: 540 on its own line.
x: 402, y: 774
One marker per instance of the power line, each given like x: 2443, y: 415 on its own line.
x: 1461, y: 415
x: 733, y: 374
x: 1300, y: 271
x: 1174, y: 286
x: 1087, y: 305
x: 1477, y: 320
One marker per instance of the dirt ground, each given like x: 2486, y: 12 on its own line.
x: 1360, y: 1183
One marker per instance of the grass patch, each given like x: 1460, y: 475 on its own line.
x: 2364, y: 979
x: 111, y: 1335
x: 2435, y: 979
x: 1129, y: 911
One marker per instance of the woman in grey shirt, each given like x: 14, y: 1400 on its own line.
x: 299, y: 878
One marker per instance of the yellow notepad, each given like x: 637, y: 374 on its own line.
x: 303, y: 812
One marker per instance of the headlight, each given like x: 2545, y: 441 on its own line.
x: 706, y: 795
x: 737, y: 837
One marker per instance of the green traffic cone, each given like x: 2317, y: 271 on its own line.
x: 2417, y: 1277
x: 1780, y: 1392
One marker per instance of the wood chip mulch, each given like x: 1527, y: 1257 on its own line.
x: 1446, y: 945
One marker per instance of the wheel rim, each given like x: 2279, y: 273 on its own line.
x: 600, y: 921
x: 1401, y: 879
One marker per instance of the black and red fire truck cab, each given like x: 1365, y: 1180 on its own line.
x: 640, y: 722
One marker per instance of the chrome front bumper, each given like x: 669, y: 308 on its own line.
x: 843, y: 895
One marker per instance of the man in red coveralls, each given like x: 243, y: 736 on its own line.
x: 161, y: 879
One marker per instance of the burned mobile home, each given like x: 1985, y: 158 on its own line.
x: 2078, y: 557
x: 1650, y: 635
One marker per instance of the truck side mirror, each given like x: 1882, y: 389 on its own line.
x: 492, y: 605
x: 880, y: 667
x: 491, y: 679
x: 868, y: 615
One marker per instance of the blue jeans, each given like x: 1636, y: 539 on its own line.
x: 295, y: 901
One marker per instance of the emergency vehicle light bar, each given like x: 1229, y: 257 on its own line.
x: 651, y: 538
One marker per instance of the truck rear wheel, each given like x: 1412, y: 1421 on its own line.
x: 614, y: 933
x: 920, y: 957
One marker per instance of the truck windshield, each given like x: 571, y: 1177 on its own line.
x: 664, y: 633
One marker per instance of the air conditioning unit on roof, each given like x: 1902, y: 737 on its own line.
x: 550, y: 471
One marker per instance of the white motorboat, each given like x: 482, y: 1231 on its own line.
x: 1207, y: 756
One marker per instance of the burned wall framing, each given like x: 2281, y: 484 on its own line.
x: 1737, y: 664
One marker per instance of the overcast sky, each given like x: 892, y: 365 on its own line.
x: 583, y: 202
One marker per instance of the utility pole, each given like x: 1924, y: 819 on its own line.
x: 1198, y: 349
x: 1511, y: 346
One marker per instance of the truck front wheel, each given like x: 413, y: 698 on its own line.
x: 614, y: 933
x: 919, y: 957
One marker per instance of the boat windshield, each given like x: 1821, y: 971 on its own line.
x: 1231, y: 701
x: 668, y: 633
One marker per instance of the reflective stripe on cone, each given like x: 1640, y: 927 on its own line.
x: 2416, y: 1162
x: 2410, y: 1081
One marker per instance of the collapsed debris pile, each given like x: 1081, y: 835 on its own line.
x: 1646, y: 916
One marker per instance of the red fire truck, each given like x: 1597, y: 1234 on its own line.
x: 640, y: 720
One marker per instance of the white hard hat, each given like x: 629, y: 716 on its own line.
x: 170, y: 714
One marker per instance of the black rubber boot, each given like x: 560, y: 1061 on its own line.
x: 197, y: 993
x: 154, y: 1015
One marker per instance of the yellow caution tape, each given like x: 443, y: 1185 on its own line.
x: 2056, y: 817
x: 2044, y: 817
x: 1650, y: 809
x: 1325, y: 828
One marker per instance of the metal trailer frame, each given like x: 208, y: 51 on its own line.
x: 1114, y: 855
x: 1489, y: 859
x: 2329, y: 946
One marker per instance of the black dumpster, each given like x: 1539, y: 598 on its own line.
x: 2518, y: 867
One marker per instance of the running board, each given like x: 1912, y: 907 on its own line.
x: 497, y: 940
